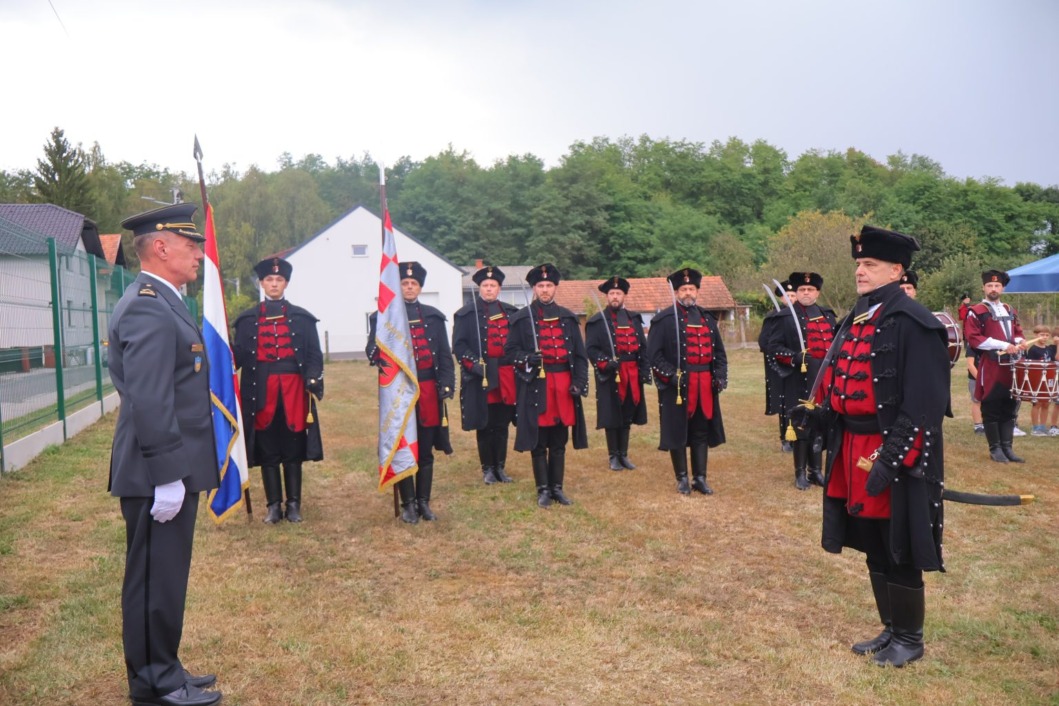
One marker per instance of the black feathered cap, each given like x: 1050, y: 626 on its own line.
x: 544, y: 273
x: 995, y: 276
x: 887, y: 245
x: 910, y: 277
x: 805, y: 279
x: 273, y: 266
x: 413, y: 270
x: 488, y: 272
x: 685, y: 276
x: 614, y: 283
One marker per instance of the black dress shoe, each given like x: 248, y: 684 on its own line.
x: 202, y: 681
x: 187, y: 695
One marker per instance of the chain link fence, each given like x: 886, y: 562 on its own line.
x: 55, y: 307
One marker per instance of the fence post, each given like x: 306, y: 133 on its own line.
x: 98, y: 357
x: 56, y: 317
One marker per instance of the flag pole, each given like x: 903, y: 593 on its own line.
x: 382, y: 236
x: 205, y: 211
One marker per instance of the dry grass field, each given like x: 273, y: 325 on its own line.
x: 634, y: 595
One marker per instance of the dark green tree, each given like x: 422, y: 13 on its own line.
x: 62, y: 177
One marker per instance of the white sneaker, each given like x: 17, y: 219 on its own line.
x: 1018, y: 432
x: 1054, y: 431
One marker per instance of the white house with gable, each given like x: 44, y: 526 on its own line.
x: 336, y: 277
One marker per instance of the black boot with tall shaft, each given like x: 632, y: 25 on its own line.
x: 680, y: 469
x: 612, y: 450
x: 273, y: 494
x: 540, y: 477
x: 699, y: 455
x: 881, y: 589
x: 292, y: 481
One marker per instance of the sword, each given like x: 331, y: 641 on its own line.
x: 676, y: 326
x: 478, y: 335
x: 797, y: 325
x: 533, y: 327
x: 606, y: 327
x: 772, y: 296
x: 957, y: 496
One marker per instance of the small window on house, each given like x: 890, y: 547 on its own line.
x: 360, y: 251
x: 69, y: 311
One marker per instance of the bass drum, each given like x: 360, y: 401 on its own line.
x: 954, y: 332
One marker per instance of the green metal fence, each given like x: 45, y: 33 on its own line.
x: 55, y: 307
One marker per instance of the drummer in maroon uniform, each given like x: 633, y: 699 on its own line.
x: 437, y: 381
x: 551, y: 369
x: 992, y: 329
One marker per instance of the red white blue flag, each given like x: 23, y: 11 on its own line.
x: 398, y: 384
x: 224, y: 388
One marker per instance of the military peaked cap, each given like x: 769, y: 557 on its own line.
x: 176, y: 218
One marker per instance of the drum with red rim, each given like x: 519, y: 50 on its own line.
x: 1034, y: 380
x: 954, y: 332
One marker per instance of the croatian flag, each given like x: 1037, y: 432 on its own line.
x: 398, y: 383
x: 224, y: 388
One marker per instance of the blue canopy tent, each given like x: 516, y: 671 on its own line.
x: 1040, y: 276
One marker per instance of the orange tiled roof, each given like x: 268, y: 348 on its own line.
x: 110, y: 242
x: 646, y: 294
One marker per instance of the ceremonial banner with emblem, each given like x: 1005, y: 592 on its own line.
x: 224, y: 388
x: 398, y: 384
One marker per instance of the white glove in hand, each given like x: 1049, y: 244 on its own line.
x: 168, y: 499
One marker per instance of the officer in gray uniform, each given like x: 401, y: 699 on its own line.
x: 163, y: 453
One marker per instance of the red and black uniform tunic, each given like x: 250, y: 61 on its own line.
x: 277, y: 349
x: 886, y: 394
x: 687, y: 340
x: 993, y: 385
x: 559, y: 403
x: 472, y: 340
x: 556, y: 399
x: 618, y: 404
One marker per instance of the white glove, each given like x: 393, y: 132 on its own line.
x: 167, y: 500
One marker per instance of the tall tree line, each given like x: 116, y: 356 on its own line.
x: 639, y: 207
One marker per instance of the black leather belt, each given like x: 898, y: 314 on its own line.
x: 556, y: 367
x: 698, y: 368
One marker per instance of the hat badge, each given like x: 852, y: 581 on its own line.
x: 409, y: 272
x: 544, y: 273
x: 489, y: 272
x: 275, y: 265
x: 807, y: 278
x: 687, y: 276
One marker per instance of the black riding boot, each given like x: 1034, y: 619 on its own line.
x: 292, y: 481
x: 881, y: 590
x: 816, y: 466
x: 540, y: 477
x: 613, y: 450
x: 908, y: 609
x: 801, y: 460
x: 992, y: 435
x: 1007, y: 432
x: 623, y: 449
x: 499, y: 441
x: 273, y: 494
x: 485, y: 455
x: 680, y: 470
x: 424, y: 482
x: 407, y: 490
x: 556, y: 471
x: 699, y: 455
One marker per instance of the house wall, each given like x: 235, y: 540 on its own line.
x: 341, y: 289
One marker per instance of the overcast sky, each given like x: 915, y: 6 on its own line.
x: 970, y: 83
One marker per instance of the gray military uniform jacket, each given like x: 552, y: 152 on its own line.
x: 159, y: 368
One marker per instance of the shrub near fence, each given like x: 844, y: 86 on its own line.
x: 55, y: 307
